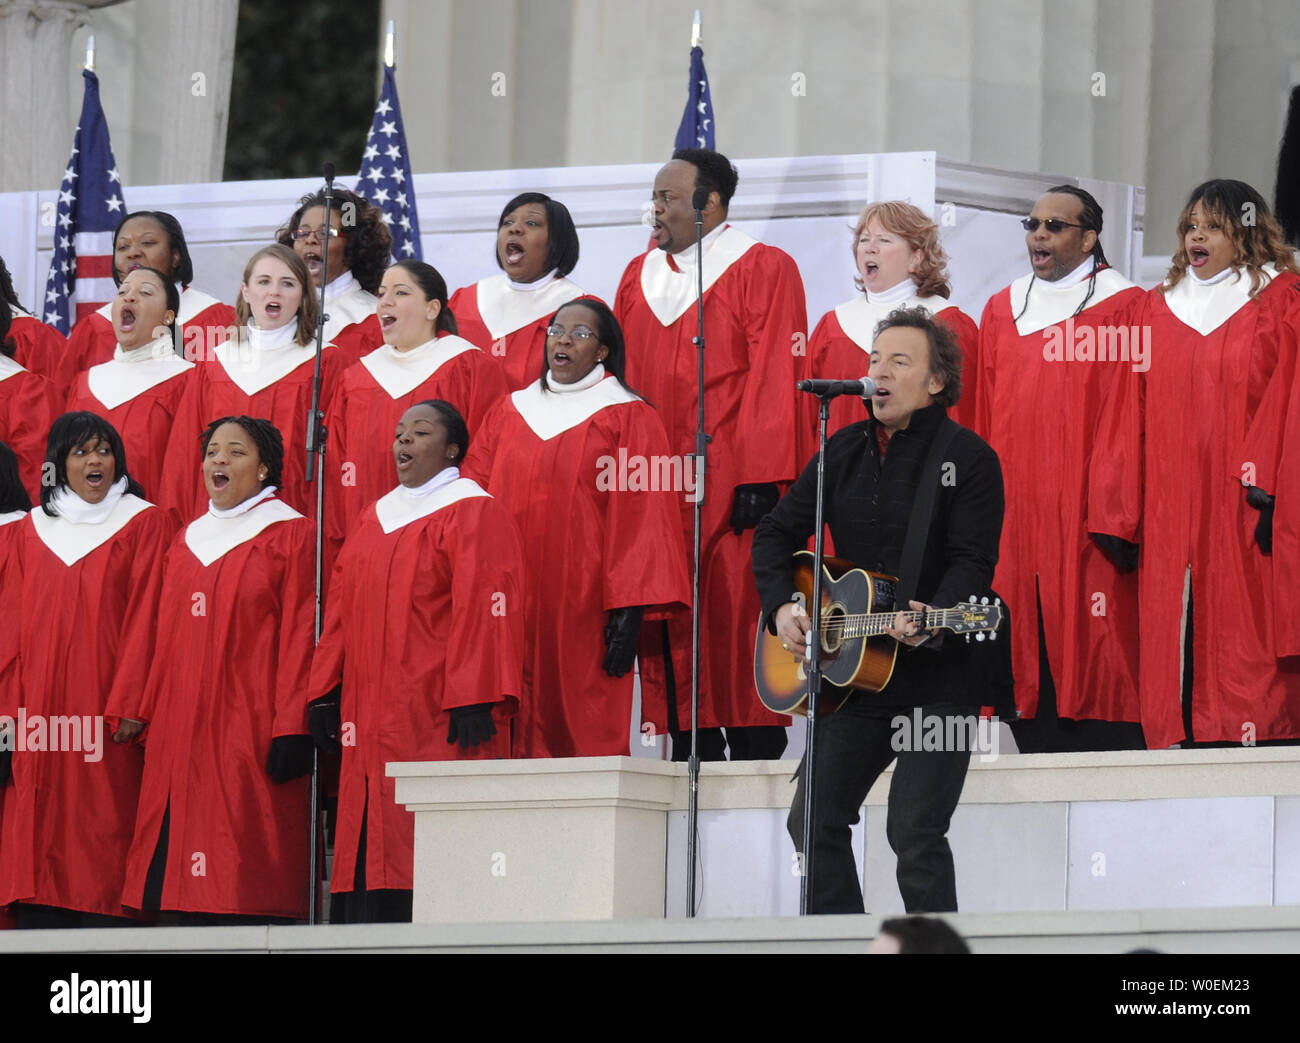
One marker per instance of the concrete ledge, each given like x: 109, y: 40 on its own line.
x: 1243, y: 930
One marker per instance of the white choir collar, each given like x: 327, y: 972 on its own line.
x: 859, y: 317
x: 537, y: 284
x: 686, y: 258
x: 213, y: 535
x: 9, y: 368
x: 131, y: 373
x: 896, y: 294
x: 254, y: 370
x: 1206, y: 304
x: 70, y: 541
x: 243, y: 507
x: 76, y: 511
x: 504, y: 307
x: 13, y: 516
x: 593, y: 378
x: 273, y: 340
x: 1213, y: 280
x: 548, y: 414
x: 1073, y: 278
x: 402, y: 506
x: 669, y: 292
x: 1040, y: 303
x: 399, y: 372
x: 340, y: 284
x: 444, y: 477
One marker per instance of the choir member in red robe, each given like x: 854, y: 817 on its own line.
x: 14, y: 505
x: 148, y: 239
x: 583, y: 465
x: 226, y: 746
x: 91, y: 561
x: 506, y: 315
x: 421, y: 358
x: 900, y: 264
x: 424, y: 629
x: 139, y: 388
x: 1215, y: 610
x: 265, y: 371
x: 28, y: 402
x: 357, y: 254
x: 38, y: 346
x: 754, y: 323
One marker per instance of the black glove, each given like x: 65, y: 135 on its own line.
x: 290, y: 757
x: 471, y: 725
x: 751, y: 503
x: 1263, y: 503
x: 6, y: 765
x: 323, y: 721
x: 621, y: 633
x: 1119, y: 552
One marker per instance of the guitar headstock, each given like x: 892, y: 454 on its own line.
x: 981, y: 618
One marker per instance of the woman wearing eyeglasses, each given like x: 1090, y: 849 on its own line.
x: 421, y: 358
x: 356, y: 256
x: 506, y: 315
x: 1217, y: 411
x: 583, y: 465
x: 900, y: 264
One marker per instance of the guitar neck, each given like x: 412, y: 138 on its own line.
x: 873, y: 624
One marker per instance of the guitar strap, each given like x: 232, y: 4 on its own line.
x: 918, y: 525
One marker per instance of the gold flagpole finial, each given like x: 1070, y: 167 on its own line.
x: 90, y: 52
x: 388, y: 45
x: 695, y: 30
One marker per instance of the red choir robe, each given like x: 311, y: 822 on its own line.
x: 588, y: 477
x: 352, y: 326
x: 28, y: 406
x: 1217, y: 360
x: 424, y: 615
x: 138, y: 392
x: 10, y: 594
x: 754, y: 322
x: 509, y: 324
x: 1041, y: 396
x: 840, y: 349
x: 274, y: 384
x: 38, y: 346
x: 205, y: 322
x: 371, y: 399
x: 69, y: 814
x: 229, y: 675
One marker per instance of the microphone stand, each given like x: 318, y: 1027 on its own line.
x: 812, y: 654
x: 316, y: 435
x: 702, y: 440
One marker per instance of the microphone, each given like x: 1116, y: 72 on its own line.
x: 863, y: 388
x: 700, y: 199
x: 329, y: 174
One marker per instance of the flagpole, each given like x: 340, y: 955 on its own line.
x: 388, y: 45
x: 695, y: 31
x: 90, y: 53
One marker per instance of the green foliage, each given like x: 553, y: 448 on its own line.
x: 304, y: 87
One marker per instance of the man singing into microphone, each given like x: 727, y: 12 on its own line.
x: 873, y: 473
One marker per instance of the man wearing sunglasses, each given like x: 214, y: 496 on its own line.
x: 1047, y: 365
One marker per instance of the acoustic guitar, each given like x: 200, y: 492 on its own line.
x: 857, y: 654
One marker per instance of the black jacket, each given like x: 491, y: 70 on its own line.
x: 867, y: 508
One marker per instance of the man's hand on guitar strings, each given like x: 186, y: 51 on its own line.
x: 792, y: 623
x: 908, y: 632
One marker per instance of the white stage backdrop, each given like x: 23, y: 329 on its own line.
x: 804, y: 205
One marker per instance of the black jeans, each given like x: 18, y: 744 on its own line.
x: 852, y: 750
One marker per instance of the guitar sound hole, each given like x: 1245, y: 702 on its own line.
x: 833, y: 628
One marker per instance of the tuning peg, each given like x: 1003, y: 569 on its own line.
x: 968, y: 639
x: 979, y: 636
x: 972, y: 599
x: 993, y: 635
x: 984, y: 601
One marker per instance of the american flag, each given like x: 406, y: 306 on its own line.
x: 90, y: 205
x: 696, y: 129
x: 386, y: 172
